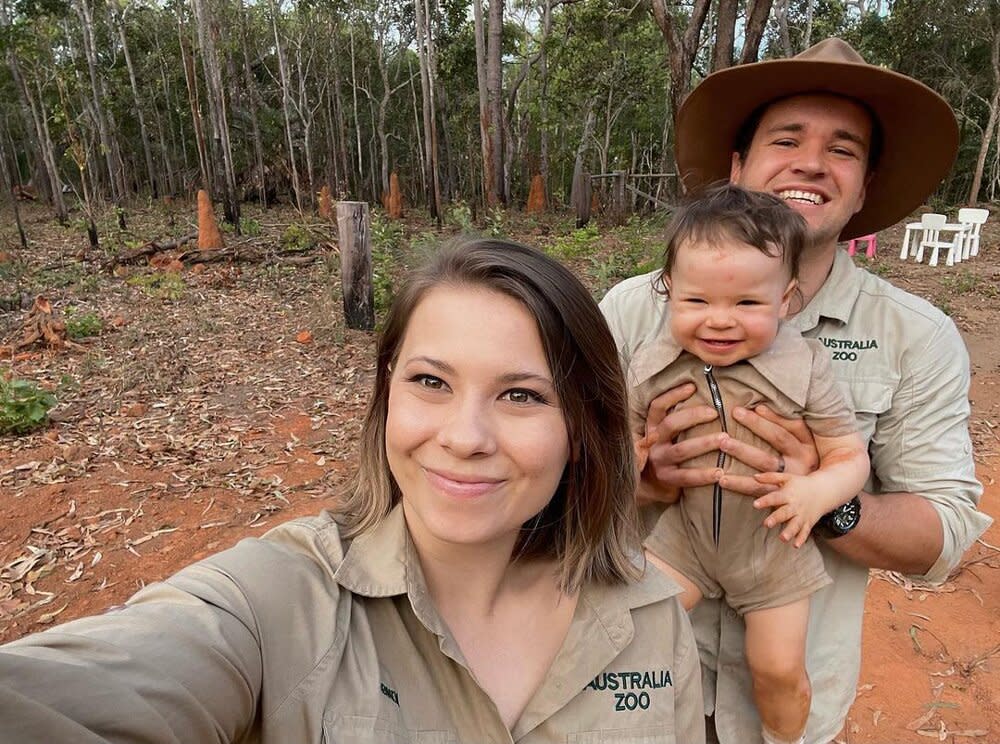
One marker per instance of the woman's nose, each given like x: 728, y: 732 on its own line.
x: 467, y: 429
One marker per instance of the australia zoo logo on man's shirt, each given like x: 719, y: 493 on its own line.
x: 631, y: 689
x: 846, y: 349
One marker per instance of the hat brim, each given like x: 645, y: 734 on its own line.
x: 920, y: 133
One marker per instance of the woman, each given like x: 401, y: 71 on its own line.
x: 477, y: 583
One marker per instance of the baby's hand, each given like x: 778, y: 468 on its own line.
x: 793, y: 505
x: 642, y: 447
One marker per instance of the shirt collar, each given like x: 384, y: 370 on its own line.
x: 781, y: 364
x: 375, y: 563
x: 835, y: 298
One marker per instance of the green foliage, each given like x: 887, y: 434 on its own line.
x: 580, y: 242
x: 297, y: 238
x: 967, y: 282
x: 382, y: 286
x: 386, y: 234
x: 460, y: 215
x: 82, y: 325
x: 165, y: 285
x: 495, y: 223
x: 23, y: 405
x: 630, y: 260
x: 250, y: 227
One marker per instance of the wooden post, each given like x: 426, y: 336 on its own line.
x: 618, y: 204
x: 581, y: 198
x: 354, y: 231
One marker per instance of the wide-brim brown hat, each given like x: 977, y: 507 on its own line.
x: 919, y: 130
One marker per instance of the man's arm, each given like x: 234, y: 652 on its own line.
x: 926, y: 517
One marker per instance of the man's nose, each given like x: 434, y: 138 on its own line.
x: 810, y: 158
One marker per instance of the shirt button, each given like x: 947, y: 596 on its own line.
x: 731, y: 614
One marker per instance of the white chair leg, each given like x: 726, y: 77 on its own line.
x: 906, y: 245
x: 920, y: 252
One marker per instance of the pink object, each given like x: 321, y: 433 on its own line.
x: 852, y: 245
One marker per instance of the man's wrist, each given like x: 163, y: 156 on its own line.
x: 840, y: 521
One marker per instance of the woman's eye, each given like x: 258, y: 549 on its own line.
x: 428, y: 381
x: 522, y: 396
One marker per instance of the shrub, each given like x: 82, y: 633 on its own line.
x: 23, y: 406
x: 297, y: 238
x: 82, y: 325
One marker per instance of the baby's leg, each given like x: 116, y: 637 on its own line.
x: 776, y: 655
x: 691, y: 595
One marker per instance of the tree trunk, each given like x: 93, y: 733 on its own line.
x: 781, y: 16
x: 725, y: 35
x: 681, y: 48
x: 286, y: 104
x: 490, y: 196
x: 354, y: 239
x: 9, y: 185
x: 40, y: 120
x: 217, y: 112
x: 255, y: 106
x: 754, y: 32
x: 191, y: 81
x: 112, y: 156
x: 494, y: 86
x: 425, y: 57
x: 991, y: 125
x: 143, y: 132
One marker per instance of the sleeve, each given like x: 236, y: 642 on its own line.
x: 171, y: 667
x: 689, y: 704
x: 827, y: 412
x: 922, y: 445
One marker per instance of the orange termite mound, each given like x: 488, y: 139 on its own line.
x: 325, y: 205
x: 536, y: 197
x: 394, y: 203
x: 208, y: 230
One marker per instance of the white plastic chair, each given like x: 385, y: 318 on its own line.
x: 974, y: 219
x: 933, y: 225
x: 908, y: 251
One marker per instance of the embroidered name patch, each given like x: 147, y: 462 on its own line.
x: 631, y: 689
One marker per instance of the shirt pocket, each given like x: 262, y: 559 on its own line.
x: 644, y: 735
x: 871, y: 398
x: 351, y: 729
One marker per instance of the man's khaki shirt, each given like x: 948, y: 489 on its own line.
x: 289, y: 639
x: 903, y: 364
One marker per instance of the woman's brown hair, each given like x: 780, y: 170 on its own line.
x: 589, y: 526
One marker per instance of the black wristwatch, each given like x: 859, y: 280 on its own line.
x: 840, y: 521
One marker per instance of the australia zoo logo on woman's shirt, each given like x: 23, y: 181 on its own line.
x: 631, y: 689
x: 846, y: 349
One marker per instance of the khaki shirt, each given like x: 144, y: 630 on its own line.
x: 289, y: 640
x: 904, y: 366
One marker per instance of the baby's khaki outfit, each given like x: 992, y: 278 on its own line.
x: 750, y: 564
x: 304, y: 637
x: 903, y: 365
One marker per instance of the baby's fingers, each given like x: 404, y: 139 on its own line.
x: 776, y: 479
x: 779, y: 516
x: 793, y: 531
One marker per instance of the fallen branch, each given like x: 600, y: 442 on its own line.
x: 41, y: 325
x: 149, y: 249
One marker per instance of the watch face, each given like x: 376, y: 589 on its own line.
x: 845, y: 518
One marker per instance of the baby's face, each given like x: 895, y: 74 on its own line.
x: 726, y: 299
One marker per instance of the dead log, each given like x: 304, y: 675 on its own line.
x: 41, y: 325
x: 354, y: 229
x: 136, y: 255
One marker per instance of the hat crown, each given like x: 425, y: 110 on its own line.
x: 832, y: 50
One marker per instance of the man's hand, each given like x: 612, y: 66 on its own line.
x: 663, y: 477
x: 796, y: 450
x: 793, y: 505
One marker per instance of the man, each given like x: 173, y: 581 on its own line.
x: 853, y: 148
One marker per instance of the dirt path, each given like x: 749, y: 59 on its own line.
x: 203, y: 417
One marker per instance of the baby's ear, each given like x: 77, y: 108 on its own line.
x: 786, y: 297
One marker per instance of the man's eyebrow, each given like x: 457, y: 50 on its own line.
x: 840, y: 134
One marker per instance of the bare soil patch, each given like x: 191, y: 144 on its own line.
x: 224, y: 400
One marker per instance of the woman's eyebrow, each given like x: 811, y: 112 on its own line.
x: 436, y: 363
x: 512, y: 377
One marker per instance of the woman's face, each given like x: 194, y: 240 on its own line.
x: 475, y: 435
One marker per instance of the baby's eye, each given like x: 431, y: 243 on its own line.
x: 695, y: 300
x: 748, y: 302
x: 523, y: 396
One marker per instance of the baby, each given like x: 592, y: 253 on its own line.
x: 730, y: 274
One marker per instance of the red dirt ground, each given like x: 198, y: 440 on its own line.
x: 202, y: 420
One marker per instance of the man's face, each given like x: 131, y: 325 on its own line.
x: 812, y: 151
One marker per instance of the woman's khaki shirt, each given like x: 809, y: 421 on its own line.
x: 302, y: 636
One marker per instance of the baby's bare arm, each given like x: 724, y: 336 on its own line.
x: 801, y: 500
